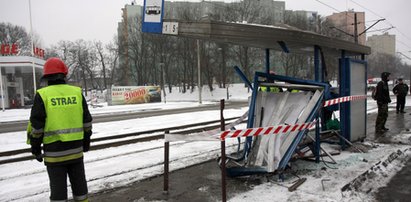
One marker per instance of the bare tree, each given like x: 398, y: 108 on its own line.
x: 101, y: 57
x: 10, y: 34
x: 112, y: 59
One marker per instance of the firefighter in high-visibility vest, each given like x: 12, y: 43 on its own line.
x: 273, y: 89
x: 270, y: 89
x: 61, y: 122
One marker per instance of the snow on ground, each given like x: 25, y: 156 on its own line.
x: 119, y: 166
x: 176, y: 99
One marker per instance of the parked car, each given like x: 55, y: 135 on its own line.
x: 28, y: 101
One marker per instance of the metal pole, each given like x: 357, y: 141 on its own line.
x: 32, y: 51
x: 166, y: 164
x: 1, y: 90
x: 164, y: 81
x: 318, y: 76
x: 223, y: 158
x: 267, y: 60
x: 343, y: 108
x: 355, y: 28
x: 199, y: 72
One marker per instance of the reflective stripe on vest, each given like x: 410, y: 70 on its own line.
x: 60, y: 156
x: 64, y: 109
x: 63, y: 153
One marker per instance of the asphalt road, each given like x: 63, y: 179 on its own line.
x: 22, y: 125
x: 399, y: 187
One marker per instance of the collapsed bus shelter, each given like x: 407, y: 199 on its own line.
x: 291, y: 113
x: 352, y: 72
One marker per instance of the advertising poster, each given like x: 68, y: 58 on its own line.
x: 121, y: 95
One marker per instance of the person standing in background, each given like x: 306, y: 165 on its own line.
x: 382, y: 96
x: 400, y: 90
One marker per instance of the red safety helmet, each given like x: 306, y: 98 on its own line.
x: 54, y: 66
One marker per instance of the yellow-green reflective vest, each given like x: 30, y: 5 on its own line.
x: 270, y: 89
x: 64, y: 109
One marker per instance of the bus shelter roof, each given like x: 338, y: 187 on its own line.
x: 267, y: 37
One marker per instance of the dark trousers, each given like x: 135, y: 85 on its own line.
x: 400, y: 103
x: 58, y: 181
x: 381, y: 117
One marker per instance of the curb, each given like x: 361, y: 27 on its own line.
x: 375, y: 171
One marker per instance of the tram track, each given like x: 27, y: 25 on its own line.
x: 122, y: 139
x: 116, y: 152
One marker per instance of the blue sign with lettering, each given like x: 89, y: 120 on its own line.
x: 153, y: 16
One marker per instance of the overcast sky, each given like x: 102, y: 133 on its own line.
x: 55, y: 20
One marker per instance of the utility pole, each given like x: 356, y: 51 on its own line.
x: 355, y: 28
x: 356, y: 34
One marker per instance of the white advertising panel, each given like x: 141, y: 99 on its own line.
x: 121, y: 95
x: 358, y: 108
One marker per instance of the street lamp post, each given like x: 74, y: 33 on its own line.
x: 163, y: 81
x: 1, y: 90
x: 32, y: 51
x: 199, y: 72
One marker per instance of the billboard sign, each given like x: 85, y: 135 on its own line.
x: 153, y: 16
x: 121, y: 95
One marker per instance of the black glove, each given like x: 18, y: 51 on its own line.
x: 86, y: 141
x: 39, y: 158
x: 36, y: 147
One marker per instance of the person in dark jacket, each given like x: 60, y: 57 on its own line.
x: 382, y: 96
x: 400, y: 90
x: 61, y: 122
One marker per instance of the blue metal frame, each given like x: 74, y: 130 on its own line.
x: 236, y: 171
x: 251, y: 112
x: 243, y: 77
x: 344, y: 111
x: 344, y: 77
x: 267, y: 60
x: 345, y: 90
x: 283, y: 46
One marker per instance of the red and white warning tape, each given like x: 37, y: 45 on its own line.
x: 211, y: 135
x: 280, y: 129
x: 266, y: 130
x: 344, y: 99
x: 286, y: 128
